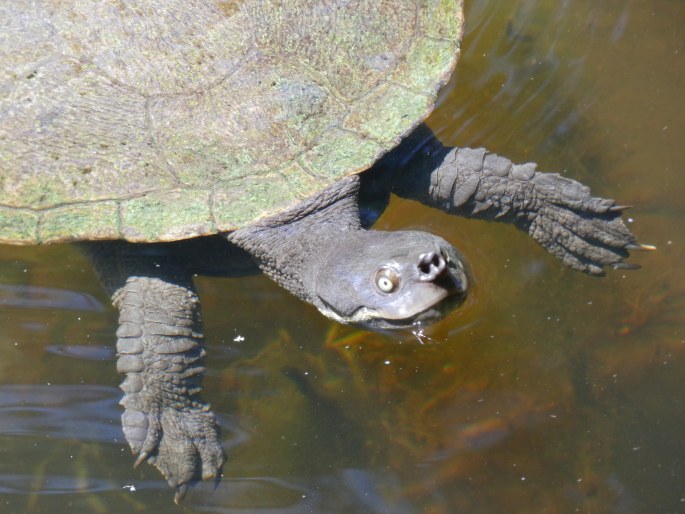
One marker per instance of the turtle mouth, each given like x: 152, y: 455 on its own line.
x: 425, y: 317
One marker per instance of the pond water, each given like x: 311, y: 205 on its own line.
x: 549, y: 391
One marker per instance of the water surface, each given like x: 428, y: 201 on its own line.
x: 549, y: 391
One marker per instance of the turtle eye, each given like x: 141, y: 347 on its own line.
x: 387, y: 280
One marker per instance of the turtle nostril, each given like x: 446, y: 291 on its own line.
x: 430, y: 266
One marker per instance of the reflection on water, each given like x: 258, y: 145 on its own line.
x: 34, y: 297
x: 548, y: 391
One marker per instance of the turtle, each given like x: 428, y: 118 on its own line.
x: 168, y: 139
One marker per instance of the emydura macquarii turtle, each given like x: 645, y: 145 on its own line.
x: 171, y: 138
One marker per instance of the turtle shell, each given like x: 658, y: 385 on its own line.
x: 157, y: 120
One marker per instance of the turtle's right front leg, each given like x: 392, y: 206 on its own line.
x: 160, y: 349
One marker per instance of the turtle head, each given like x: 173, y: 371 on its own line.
x: 390, y: 280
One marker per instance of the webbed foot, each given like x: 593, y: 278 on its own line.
x: 183, y: 444
x: 586, y: 233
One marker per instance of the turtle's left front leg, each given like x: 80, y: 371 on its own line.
x: 585, y: 232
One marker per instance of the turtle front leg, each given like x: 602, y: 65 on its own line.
x: 160, y: 349
x: 584, y: 232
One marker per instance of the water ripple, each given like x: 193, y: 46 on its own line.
x: 83, y: 412
x: 35, y: 297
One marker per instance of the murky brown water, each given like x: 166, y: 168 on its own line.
x: 548, y: 392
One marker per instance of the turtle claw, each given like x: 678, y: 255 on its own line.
x: 641, y: 247
x: 619, y: 208
x: 181, y: 492
x: 141, y: 458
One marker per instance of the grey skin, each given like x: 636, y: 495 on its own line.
x: 322, y: 252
